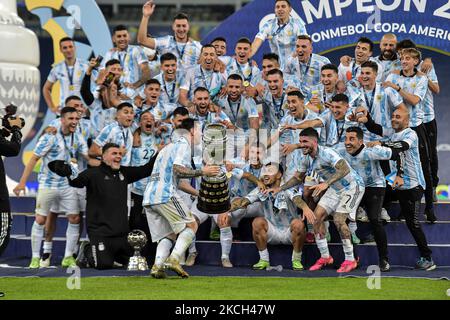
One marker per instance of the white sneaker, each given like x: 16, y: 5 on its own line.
x: 385, y: 216
x: 361, y: 215
x: 226, y: 263
x: 45, y: 263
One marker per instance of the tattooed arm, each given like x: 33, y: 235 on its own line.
x: 342, y: 169
x: 184, y: 172
x: 294, y: 181
x: 239, y: 203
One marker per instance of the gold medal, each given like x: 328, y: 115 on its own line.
x: 71, y: 87
x: 73, y: 160
x: 246, y: 83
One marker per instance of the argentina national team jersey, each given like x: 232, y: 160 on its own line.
x: 116, y: 133
x: 247, y: 71
x: 141, y: 156
x: 335, y: 129
x: 381, y: 103
x: 100, y: 117
x: 324, y: 166
x: 162, y: 184
x: 353, y: 71
x: 274, y: 110
x: 292, y: 136
x: 239, y: 111
x: 187, y: 53
x: 279, y: 210
x: 308, y: 73
x: 239, y: 186
x: 282, y: 38
x: 416, y: 85
x: 388, y: 66
x: 170, y: 91
x: 161, y: 111
x: 70, y: 78
x: 199, y: 77
x: 367, y: 164
x: 412, y: 168
x: 57, y: 147
x: 428, y: 102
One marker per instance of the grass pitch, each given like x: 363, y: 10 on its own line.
x: 229, y: 288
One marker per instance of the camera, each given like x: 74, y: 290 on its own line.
x: 108, y: 80
x: 98, y: 61
x: 9, y: 120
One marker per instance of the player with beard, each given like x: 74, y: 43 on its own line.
x: 220, y: 43
x: 388, y: 57
x: 160, y: 110
x: 180, y: 44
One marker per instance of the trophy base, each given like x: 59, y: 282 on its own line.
x: 137, y: 263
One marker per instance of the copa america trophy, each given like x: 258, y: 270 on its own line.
x: 137, y: 239
x: 213, y: 194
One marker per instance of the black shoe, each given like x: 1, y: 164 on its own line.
x: 368, y: 239
x: 82, y: 259
x: 385, y: 266
x: 431, y: 217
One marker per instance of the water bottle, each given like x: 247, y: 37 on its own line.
x: 278, y: 268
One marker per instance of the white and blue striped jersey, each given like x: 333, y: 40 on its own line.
x: 239, y: 111
x: 69, y: 77
x: 240, y: 187
x: 381, y: 103
x: 116, y: 133
x: 289, y: 81
x: 367, y: 164
x: 416, y: 85
x: 412, y: 167
x: 199, y: 77
x: 100, y: 117
x: 324, y: 166
x: 57, y: 147
x: 187, y: 53
x: 163, y: 183
x: 247, y: 71
x: 279, y: 210
x: 282, y: 38
x: 428, y: 102
x: 324, y: 96
x: 210, y: 117
x: 308, y: 73
x: 161, y: 111
x: 141, y: 156
x: 292, y: 136
x: 388, y: 66
x: 274, y: 109
x: 335, y: 129
x: 130, y: 61
x: 353, y: 71
x: 170, y: 91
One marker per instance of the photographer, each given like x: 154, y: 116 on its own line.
x: 11, y: 148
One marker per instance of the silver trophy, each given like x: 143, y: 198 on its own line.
x: 137, y: 239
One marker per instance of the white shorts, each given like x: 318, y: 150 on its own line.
x: 63, y: 200
x: 166, y: 218
x: 252, y: 210
x: 343, y: 202
x: 278, y: 235
x: 81, y: 202
x: 200, y: 215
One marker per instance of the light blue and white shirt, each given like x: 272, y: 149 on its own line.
x: 279, y: 210
x: 308, y: 73
x: 282, y: 38
x: 292, y: 136
x: 353, y: 71
x: 170, y: 91
x: 210, y: 117
x: 116, y: 133
x: 161, y: 111
x: 240, y: 187
x: 187, y: 53
x: 70, y: 78
x: 247, y: 71
x: 163, y: 184
x: 335, y: 129
x: 388, y: 66
x: 199, y: 77
x: 367, y: 164
x: 412, y: 167
x: 324, y: 166
x: 319, y: 90
x: 52, y: 147
x: 141, y: 156
x: 416, y: 85
x: 428, y: 102
x: 240, y: 111
x: 274, y: 109
x: 130, y: 61
x: 100, y: 117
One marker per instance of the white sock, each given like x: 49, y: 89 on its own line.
x: 72, y: 233
x: 327, y: 226
x: 226, y: 239
x: 184, y: 240
x: 352, y: 226
x: 37, y: 234
x: 296, y: 255
x: 264, y: 255
x: 323, y: 247
x: 48, y: 245
x: 192, y: 248
x: 348, y: 249
x: 162, y: 251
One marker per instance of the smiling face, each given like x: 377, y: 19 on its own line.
x: 275, y: 82
x: 242, y: 51
x: 304, y: 49
x: 352, y: 142
x: 202, y: 101
x: 178, y: 119
x: 270, y: 174
x: 339, y: 109
x: 408, y: 62
x: 221, y: 47
x: 295, y: 106
x: 329, y: 79
x: 112, y: 157
x: 255, y: 155
x: 152, y: 93
x: 400, y: 119
x: 268, y: 65
x: 69, y: 122
x: 121, y: 39
x: 169, y: 68
x: 308, y: 144
x: 208, y: 57
x: 67, y: 49
x: 147, y: 123
x: 180, y: 29
x: 282, y: 10
x: 234, y: 89
x: 125, y: 116
x: 387, y: 47
x: 77, y: 104
x: 362, y: 52
x: 368, y: 77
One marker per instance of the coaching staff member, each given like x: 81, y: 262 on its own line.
x: 106, y: 204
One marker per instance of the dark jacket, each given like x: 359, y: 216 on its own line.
x: 7, y: 149
x: 106, y: 193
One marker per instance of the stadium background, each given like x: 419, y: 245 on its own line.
x: 236, y: 18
